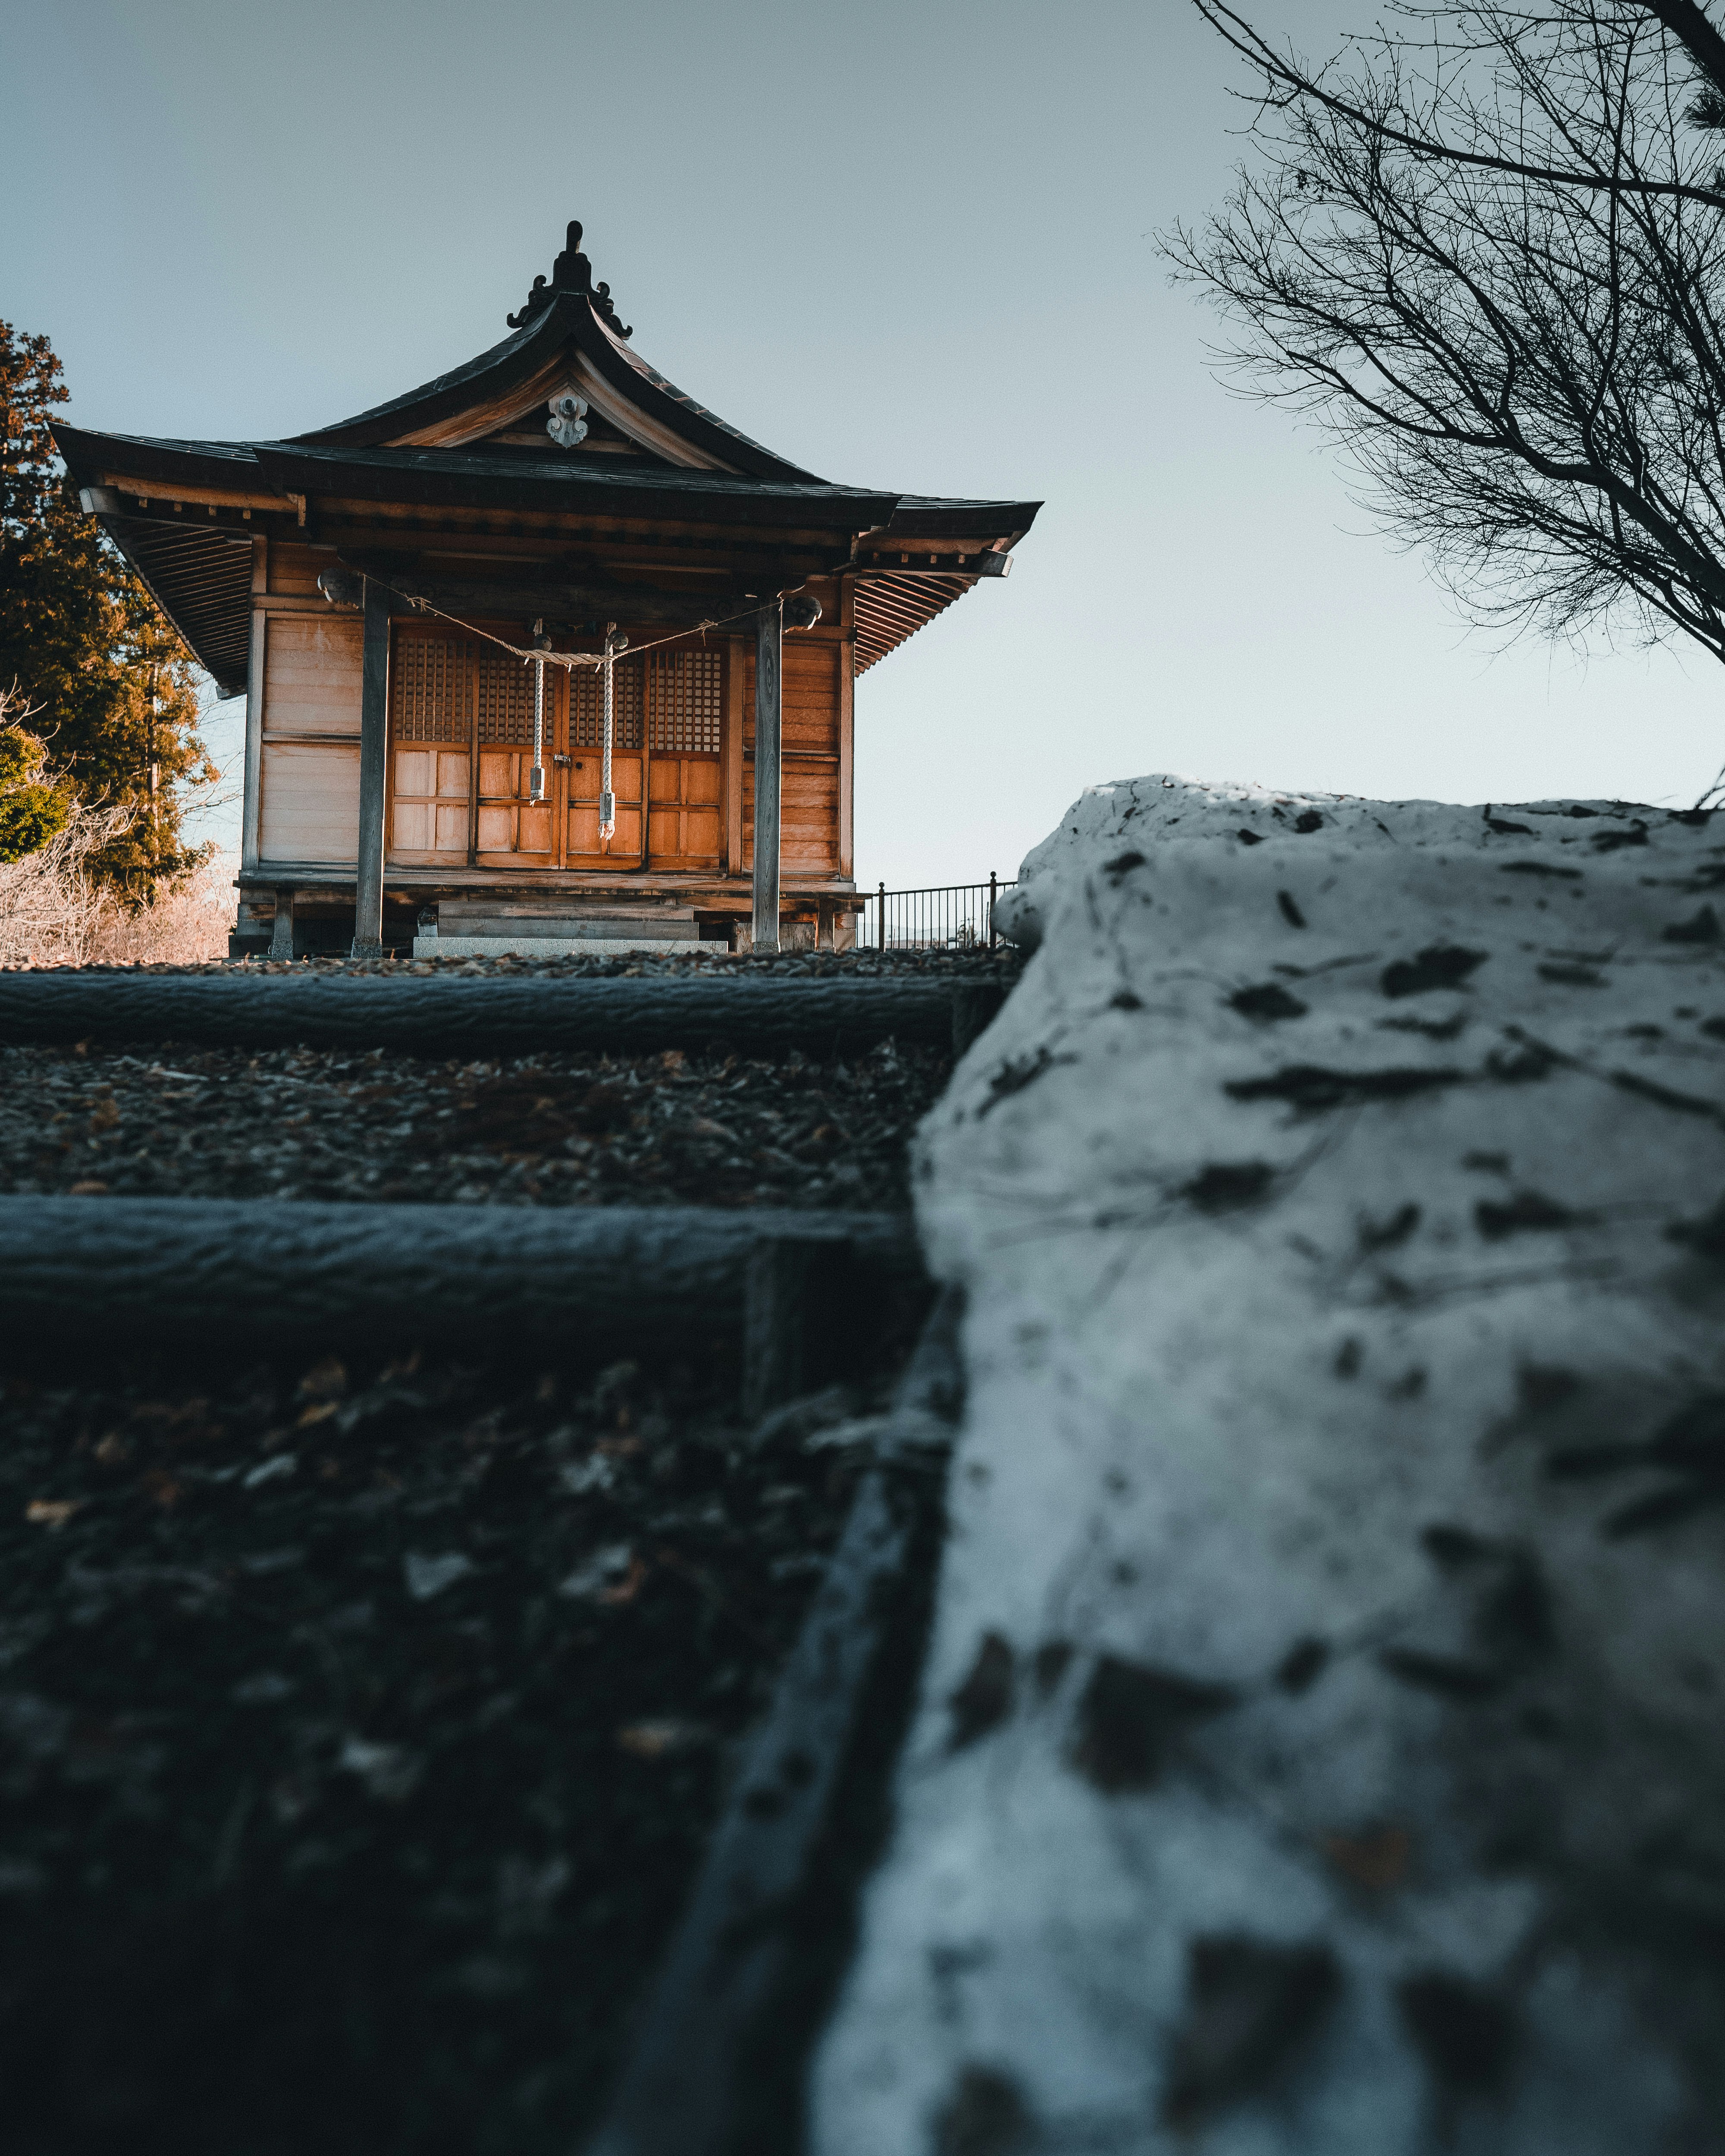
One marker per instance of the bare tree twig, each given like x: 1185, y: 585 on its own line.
x: 1484, y: 248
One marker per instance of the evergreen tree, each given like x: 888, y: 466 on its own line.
x: 112, y: 689
x: 33, y: 807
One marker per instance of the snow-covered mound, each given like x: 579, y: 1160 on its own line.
x: 1323, y: 1744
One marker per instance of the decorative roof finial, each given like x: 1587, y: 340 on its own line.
x: 571, y: 272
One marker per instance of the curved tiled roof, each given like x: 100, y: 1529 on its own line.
x: 199, y: 570
x: 567, y: 321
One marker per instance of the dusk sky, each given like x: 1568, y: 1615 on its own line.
x: 909, y: 246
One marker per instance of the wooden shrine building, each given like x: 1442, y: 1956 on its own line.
x: 370, y: 587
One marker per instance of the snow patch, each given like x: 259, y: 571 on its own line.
x: 1321, y: 1745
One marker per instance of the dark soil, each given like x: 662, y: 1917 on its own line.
x: 359, y: 1733
x: 361, y: 1729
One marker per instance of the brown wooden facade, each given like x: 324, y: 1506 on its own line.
x: 360, y: 585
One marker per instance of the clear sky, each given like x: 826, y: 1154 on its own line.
x: 906, y: 245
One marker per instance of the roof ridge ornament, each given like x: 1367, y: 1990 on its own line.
x: 571, y: 272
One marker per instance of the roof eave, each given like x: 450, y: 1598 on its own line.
x: 408, y: 477
x: 220, y: 465
x: 216, y: 631
x: 1002, y: 521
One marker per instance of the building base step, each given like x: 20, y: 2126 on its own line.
x: 556, y: 946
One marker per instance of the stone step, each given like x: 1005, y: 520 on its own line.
x: 568, y: 928
x: 553, y: 947
x: 558, y: 909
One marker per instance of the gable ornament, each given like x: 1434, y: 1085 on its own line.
x: 567, y: 424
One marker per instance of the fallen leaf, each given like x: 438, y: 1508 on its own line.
x: 389, y: 1771
x: 284, y: 1463
x: 596, y: 1573
x: 582, y: 1480
x: 1376, y: 1861
x: 327, y: 1380
x: 89, y: 1188
x: 161, y: 1489
x: 427, y: 1576
x: 52, y: 1512
x: 626, y: 1589
x: 661, y: 1740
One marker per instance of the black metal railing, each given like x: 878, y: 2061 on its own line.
x: 954, y: 917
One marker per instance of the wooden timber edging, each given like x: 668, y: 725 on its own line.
x: 278, y: 1271
x: 720, y: 2057
x: 413, y: 1015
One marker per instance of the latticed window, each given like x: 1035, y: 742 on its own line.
x: 587, y: 706
x: 506, y: 698
x: 448, y: 690
x: 431, y: 687
x: 686, y: 702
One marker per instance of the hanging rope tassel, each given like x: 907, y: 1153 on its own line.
x: 535, y: 791
x: 607, y: 799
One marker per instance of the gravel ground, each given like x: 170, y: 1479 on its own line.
x: 359, y: 1732
x: 1002, y: 963
x: 550, y: 1130
x: 553, y: 1130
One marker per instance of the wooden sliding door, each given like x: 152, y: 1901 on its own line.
x: 432, y: 680
x: 461, y: 756
x: 461, y: 751
x: 667, y: 758
x: 512, y: 831
x: 686, y: 739
x: 586, y: 849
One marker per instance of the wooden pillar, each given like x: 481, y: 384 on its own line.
x: 769, y: 735
x: 373, y: 772
x: 250, y: 812
x: 281, y: 940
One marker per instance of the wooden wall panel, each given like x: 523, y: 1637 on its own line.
x: 310, y: 802
x: 811, y: 784
x: 811, y: 696
x: 294, y: 569
x: 312, y: 674
x: 847, y: 727
x: 809, y: 819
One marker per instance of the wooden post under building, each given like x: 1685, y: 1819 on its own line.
x: 556, y: 478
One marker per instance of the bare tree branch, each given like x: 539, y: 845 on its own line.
x: 1485, y: 248
x: 1287, y: 81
